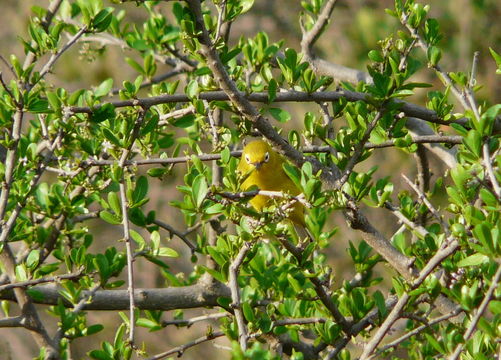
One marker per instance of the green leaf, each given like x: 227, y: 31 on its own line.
x: 375, y: 56
x: 473, y: 142
x: 434, y: 55
x: 93, y: 329
x: 280, y: 114
x: 248, y: 312
x: 167, y: 252
x: 216, y: 256
x: 100, y: 355
x: 33, y: 259
x: 104, y: 88
x: 103, y: 19
x: 192, y: 89
x: 497, y: 59
x: 495, y: 306
x: 199, y: 190
x: 246, y: 5
x: 482, y: 232
x: 435, y: 344
x: 294, y: 283
x: 102, y: 113
x: 108, y: 134
x: 473, y: 260
x: 272, y: 90
x: 133, y: 64
x: 110, y: 218
x: 184, y: 122
x: 137, y: 238
x: 141, y: 189
x: 147, y: 323
x: 38, y: 105
x: 219, y: 276
x: 103, y: 266
x: 157, y: 172
x: 114, y: 203
x: 380, y: 303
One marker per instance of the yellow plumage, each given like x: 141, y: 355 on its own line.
x: 264, y: 168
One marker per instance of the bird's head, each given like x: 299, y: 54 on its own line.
x: 257, y: 154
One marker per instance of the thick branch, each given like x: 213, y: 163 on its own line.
x: 409, y: 109
x: 186, y: 297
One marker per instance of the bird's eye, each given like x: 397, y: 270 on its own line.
x: 247, y: 158
x: 267, y: 157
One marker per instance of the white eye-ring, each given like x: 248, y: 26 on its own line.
x: 267, y: 157
x: 247, y: 158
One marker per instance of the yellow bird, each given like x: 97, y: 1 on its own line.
x: 264, y: 168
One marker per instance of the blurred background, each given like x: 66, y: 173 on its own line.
x: 356, y: 27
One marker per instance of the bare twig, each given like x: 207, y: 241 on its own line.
x: 322, y: 292
x: 272, y: 194
x: 43, y: 280
x: 181, y: 349
x: 220, y: 16
x: 428, y: 204
x: 78, y: 308
x: 46, y: 21
x: 385, y: 326
x: 7, y: 89
x: 243, y: 335
x: 473, y: 324
x: 310, y: 38
x: 416, y: 331
x: 176, y: 114
x: 394, y: 315
x: 489, y: 170
x: 323, y: 67
x: 48, y: 66
x: 13, y: 321
x: 423, y: 176
x: 443, y: 75
x: 403, y: 219
x: 179, y: 234
x: 216, y: 121
x: 189, y: 322
x: 130, y: 260
x: 468, y: 91
x: 178, y: 69
x: 359, y: 147
x: 299, y: 321
x: 125, y: 223
x: 359, y: 326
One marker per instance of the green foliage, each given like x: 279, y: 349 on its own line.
x: 75, y: 156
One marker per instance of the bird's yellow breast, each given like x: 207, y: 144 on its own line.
x: 264, y: 168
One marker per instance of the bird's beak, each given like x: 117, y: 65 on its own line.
x: 258, y: 165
